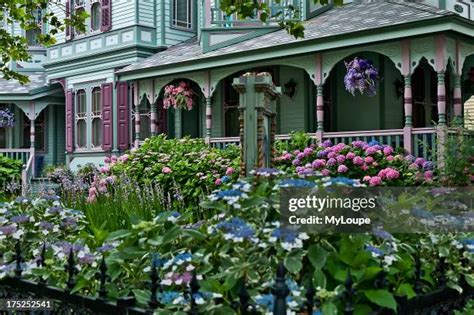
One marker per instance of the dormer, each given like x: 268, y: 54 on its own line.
x: 219, y: 30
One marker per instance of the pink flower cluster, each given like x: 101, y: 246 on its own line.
x: 178, y: 96
x: 372, y: 162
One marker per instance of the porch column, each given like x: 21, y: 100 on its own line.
x: 408, y: 106
x: 32, y: 144
x: 208, y: 118
x: 153, y: 118
x: 136, y: 107
x: 441, y: 99
x: 319, y: 112
x: 441, y: 130
x: 457, y: 100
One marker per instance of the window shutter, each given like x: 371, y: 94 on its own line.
x: 69, y: 29
x: 123, y: 116
x: 69, y: 121
x: 106, y: 21
x: 106, y: 101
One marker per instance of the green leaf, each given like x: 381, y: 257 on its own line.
x: 406, y: 289
x: 293, y: 264
x: 142, y: 296
x: 382, y: 298
x: 194, y: 234
x: 317, y: 256
x: 171, y: 234
x: 319, y: 279
x: 469, y: 279
x: 329, y: 308
x: 118, y: 235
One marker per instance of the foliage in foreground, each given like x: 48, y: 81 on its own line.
x: 10, y: 173
x: 242, y: 240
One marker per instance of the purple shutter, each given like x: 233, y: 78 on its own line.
x: 123, y: 116
x: 106, y: 21
x: 106, y: 95
x: 69, y: 121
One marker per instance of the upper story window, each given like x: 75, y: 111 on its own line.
x: 182, y: 14
x: 96, y: 13
x: 32, y: 34
x: 96, y: 116
x: 79, y: 7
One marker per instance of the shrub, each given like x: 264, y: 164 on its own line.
x: 187, y: 169
x: 371, y: 162
x: 10, y: 174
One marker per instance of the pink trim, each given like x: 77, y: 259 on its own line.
x: 457, y: 101
x: 318, y: 77
x: 440, y: 58
x: 406, y: 66
x: 408, y: 100
x: 407, y: 139
x: 441, y: 99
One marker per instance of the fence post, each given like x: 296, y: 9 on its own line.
x: 71, y: 270
x: 194, y: 286
x: 280, y: 291
x: 103, y: 278
x: 349, y: 293
x: 244, y: 298
x: 310, y: 292
x: 154, y: 285
x: 18, y: 260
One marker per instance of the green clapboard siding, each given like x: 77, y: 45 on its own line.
x: 123, y: 14
x: 146, y: 14
x: 292, y: 110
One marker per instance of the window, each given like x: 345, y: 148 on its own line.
x: 81, y: 119
x: 96, y: 118
x: 32, y: 34
x: 95, y: 16
x: 40, y: 132
x: 145, y: 119
x: 182, y: 13
x: 79, y: 10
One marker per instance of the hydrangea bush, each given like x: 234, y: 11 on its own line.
x: 7, y: 119
x: 372, y: 163
x: 178, y: 96
x: 241, y: 240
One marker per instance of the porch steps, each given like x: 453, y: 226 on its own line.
x: 41, y: 186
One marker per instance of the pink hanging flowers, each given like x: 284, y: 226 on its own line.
x: 178, y: 96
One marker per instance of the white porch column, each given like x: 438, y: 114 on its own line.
x: 208, y: 118
x: 153, y: 118
x: 408, y: 106
x: 441, y: 99
x: 318, y: 81
x: 136, y: 106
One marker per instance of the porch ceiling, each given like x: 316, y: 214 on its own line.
x: 339, y: 21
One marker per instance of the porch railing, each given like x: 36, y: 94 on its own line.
x: 17, y: 154
x: 27, y: 175
x: 423, y: 139
x: 219, y: 18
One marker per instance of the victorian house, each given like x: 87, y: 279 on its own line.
x: 100, y: 92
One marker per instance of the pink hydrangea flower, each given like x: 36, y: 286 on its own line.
x: 229, y: 171
x: 357, y: 160
x: 413, y: 166
x: 419, y: 161
x: 369, y: 160
x: 319, y: 163
x: 287, y: 156
x: 392, y: 174
x: 218, y: 181
x: 104, y: 169
x: 107, y: 160
x: 325, y: 172
x: 308, y: 151
x: 375, y: 181
x: 332, y: 155
x: 113, y: 158
x: 388, y: 150
x: 300, y: 156
x: 340, y: 159
x: 364, y: 167
x: 342, y: 169
x: 166, y: 170
x: 296, y: 162
x: 390, y: 158
x: 331, y: 162
x: 350, y: 155
x: 366, y: 178
x: 371, y: 150
x: 428, y: 176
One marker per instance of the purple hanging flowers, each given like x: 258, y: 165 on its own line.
x: 178, y: 96
x: 361, y: 76
x: 7, y: 119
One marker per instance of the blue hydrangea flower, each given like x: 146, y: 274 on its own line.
x: 421, y: 213
x: 236, y: 229
x: 168, y: 297
x: 20, y: 219
x: 290, y: 182
x: 376, y: 252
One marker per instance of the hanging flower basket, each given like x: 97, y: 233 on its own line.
x: 7, y: 119
x: 178, y: 96
x: 361, y: 76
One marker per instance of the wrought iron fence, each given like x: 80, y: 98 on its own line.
x: 443, y: 300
